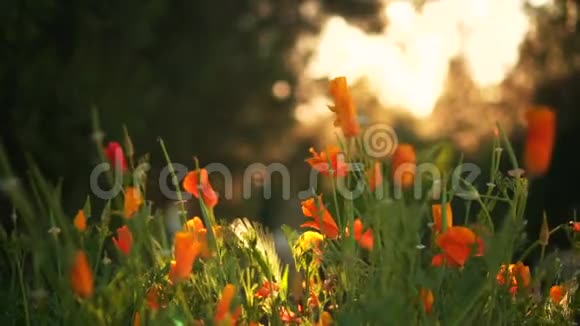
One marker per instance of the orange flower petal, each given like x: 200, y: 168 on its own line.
x: 80, y: 221
x: 81, y: 275
x: 199, y: 179
x: 186, y: 250
x: 540, y: 140
x: 332, y: 157
x: 365, y: 239
x: 404, y: 165
x: 557, y: 292
x: 427, y: 299
x: 375, y: 176
x: 319, y: 213
x: 124, y: 240
x: 438, y: 217
x: 223, y: 306
x: 343, y: 107
x: 133, y: 201
x: 457, y: 243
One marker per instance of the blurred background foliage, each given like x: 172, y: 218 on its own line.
x: 200, y: 75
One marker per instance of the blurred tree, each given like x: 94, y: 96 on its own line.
x: 197, y: 73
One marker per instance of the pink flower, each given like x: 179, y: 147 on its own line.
x: 114, y: 153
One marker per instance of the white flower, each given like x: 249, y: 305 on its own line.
x: 55, y: 230
x: 106, y: 259
x: 516, y: 173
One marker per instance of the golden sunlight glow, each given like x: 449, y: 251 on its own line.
x: 406, y: 64
x: 540, y: 3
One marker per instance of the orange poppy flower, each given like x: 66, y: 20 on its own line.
x: 133, y: 201
x: 334, y: 156
x: 266, y: 289
x: 222, y: 311
x: 81, y: 276
x: 457, y: 245
x: 80, y: 221
x: 196, y: 180
x: 343, y: 107
x: 365, y: 239
x: 375, y: 176
x: 427, y: 299
x: 321, y: 218
x: 540, y: 140
x: 437, y: 212
x: 124, y: 240
x: 557, y: 293
x: 186, y: 250
x: 404, y: 165
x: 518, y: 274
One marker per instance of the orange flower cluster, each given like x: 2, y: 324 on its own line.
x: 343, y: 107
x: 518, y: 275
x: 457, y: 243
x: 540, y: 140
x: 329, y: 162
x: 323, y: 221
x: 266, y: 290
x: 190, y: 244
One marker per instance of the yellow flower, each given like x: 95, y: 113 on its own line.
x: 310, y: 240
